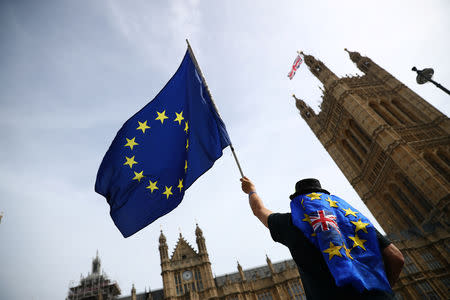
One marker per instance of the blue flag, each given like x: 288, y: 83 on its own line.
x: 345, y: 237
x: 161, y: 150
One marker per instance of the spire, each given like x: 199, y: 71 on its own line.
x: 354, y: 56
x: 198, y: 231
x: 133, y: 292
x: 363, y: 63
x: 201, y: 245
x: 269, y: 263
x: 305, y: 110
x: 162, y: 238
x: 163, y: 249
x: 320, y: 70
x: 241, y: 272
x: 96, y: 263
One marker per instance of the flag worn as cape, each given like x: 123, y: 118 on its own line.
x: 161, y: 150
x: 345, y: 237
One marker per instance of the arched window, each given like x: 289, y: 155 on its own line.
x: 431, y: 159
x: 407, y: 203
x: 403, y: 221
x: 414, y: 193
x: 388, y: 112
x: 363, y: 137
x: 295, y: 290
x: 444, y: 156
x: 178, y: 283
x: 355, y: 142
x: 381, y: 114
x: 198, y: 279
x: 404, y: 110
x: 351, y: 152
x: 395, y: 112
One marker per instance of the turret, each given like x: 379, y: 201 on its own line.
x: 320, y: 70
x: 269, y: 263
x: 96, y: 264
x: 305, y: 110
x: 133, y: 292
x: 363, y: 63
x: 241, y: 272
x: 370, y: 68
x: 201, y: 245
x: 163, y: 249
x: 307, y: 114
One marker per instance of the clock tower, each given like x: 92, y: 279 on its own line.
x: 187, y: 273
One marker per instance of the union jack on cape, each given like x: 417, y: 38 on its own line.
x: 323, y: 220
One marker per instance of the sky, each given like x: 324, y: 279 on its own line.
x: 72, y: 72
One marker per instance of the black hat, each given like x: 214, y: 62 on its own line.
x: 306, y: 186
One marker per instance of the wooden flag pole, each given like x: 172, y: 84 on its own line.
x: 212, y: 100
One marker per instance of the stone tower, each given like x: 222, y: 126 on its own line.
x: 95, y: 286
x: 393, y: 147
x: 187, y: 273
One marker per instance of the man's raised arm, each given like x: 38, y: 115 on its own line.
x: 256, y: 204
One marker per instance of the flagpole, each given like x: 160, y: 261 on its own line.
x: 212, y: 100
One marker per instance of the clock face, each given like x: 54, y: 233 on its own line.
x: 187, y: 275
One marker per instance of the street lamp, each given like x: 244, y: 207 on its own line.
x: 425, y: 75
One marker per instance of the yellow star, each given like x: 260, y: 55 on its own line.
x: 138, y: 176
x: 168, y: 191
x: 360, y: 226
x: 186, y: 126
x: 332, y: 203
x: 152, y: 186
x: 307, y: 219
x: 180, y: 184
x: 347, y: 252
x: 143, y: 126
x: 131, y: 143
x: 313, y: 196
x: 185, y: 166
x: 187, y: 143
x: 179, y: 117
x: 349, y: 211
x: 357, y: 242
x: 161, y: 116
x: 130, y: 161
x: 333, y: 250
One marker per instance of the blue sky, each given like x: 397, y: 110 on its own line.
x: 73, y: 71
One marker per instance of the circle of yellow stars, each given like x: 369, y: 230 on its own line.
x: 131, y: 161
x: 335, y: 250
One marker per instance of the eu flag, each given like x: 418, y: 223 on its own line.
x: 161, y: 150
x: 345, y: 237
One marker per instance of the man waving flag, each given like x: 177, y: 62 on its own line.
x: 161, y: 150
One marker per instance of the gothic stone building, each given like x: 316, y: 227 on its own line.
x: 187, y: 275
x: 393, y: 147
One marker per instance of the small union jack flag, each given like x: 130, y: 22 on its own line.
x: 323, y: 220
x: 297, y: 62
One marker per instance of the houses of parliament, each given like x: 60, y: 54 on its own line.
x: 394, y: 149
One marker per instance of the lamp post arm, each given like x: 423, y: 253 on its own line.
x: 439, y: 86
